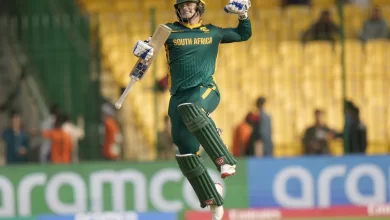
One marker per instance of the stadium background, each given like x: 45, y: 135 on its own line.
x: 78, y: 53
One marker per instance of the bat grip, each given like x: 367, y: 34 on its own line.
x: 119, y: 103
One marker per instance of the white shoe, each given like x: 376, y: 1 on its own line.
x: 217, y: 211
x: 227, y: 170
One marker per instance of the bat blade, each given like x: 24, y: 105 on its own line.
x: 158, y: 39
x: 140, y: 68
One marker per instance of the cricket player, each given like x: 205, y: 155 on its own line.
x: 191, y: 51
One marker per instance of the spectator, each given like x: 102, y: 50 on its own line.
x: 356, y: 133
x: 16, y: 141
x: 375, y: 27
x: 265, y: 128
x: 255, y: 145
x: 48, y: 124
x: 166, y: 149
x: 242, y: 134
x: 76, y: 132
x: 113, y: 138
x: 316, y: 137
x: 323, y: 29
x: 162, y: 84
x: 61, y: 143
x: 347, y: 125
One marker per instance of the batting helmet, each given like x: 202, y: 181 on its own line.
x: 201, y: 5
x: 182, y: 1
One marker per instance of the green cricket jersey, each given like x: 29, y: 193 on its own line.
x: 192, y: 51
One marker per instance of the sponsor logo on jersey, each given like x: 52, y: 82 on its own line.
x: 204, y: 29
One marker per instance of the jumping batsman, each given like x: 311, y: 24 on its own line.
x: 191, y: 52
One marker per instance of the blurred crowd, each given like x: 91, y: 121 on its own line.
x: 253, y: 136
x: 326, y: 29
x: 58, y: 138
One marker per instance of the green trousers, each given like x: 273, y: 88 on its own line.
x: 205, y: 97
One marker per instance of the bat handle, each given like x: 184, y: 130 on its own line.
x: 119, y: 103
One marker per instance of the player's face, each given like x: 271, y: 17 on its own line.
x: 187, y: 9
x: 16, y: 122
x: 319, y: 118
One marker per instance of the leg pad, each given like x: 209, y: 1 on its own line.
x: 194, y: 170
x: 204, y: 130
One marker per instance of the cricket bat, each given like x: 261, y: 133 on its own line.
x: 159, y: 37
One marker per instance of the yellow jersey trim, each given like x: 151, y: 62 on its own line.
x: 208, y: 91
x: 169, y: 67
x: 192, y: 26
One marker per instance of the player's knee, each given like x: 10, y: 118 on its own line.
x: 185, y: 143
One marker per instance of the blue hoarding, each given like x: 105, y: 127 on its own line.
x: 56, y: 217
x: 319, y: 181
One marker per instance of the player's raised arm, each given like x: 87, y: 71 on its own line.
x: 244, y: 29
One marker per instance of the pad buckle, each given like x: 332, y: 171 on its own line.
x: 220, y: 161
x: 209, y: 202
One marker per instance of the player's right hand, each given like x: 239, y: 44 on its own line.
x: 143, y: 50
x: 239, y: 7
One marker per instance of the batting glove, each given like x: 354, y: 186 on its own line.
x: 143, y: 50
x: 239, y: 7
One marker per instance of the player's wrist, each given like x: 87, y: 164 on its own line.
x: 243, y: 16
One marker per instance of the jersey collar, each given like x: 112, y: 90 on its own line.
x: 192, y: 26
